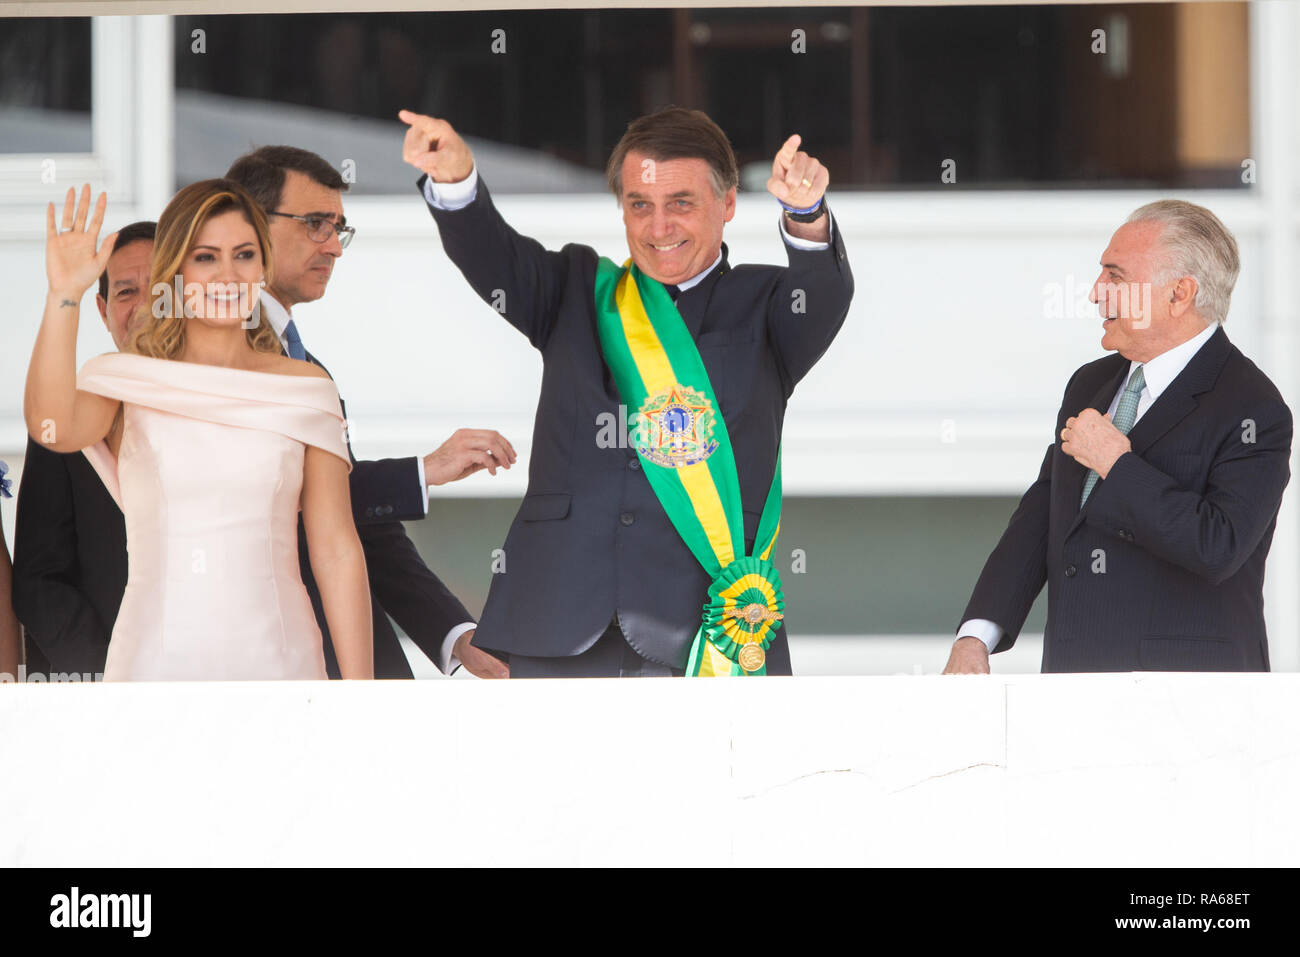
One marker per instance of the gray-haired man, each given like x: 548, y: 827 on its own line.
x: 1153, y: 512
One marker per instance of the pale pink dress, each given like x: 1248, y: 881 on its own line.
x: 209, y: 476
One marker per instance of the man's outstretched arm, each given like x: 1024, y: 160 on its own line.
x: 512, y: 273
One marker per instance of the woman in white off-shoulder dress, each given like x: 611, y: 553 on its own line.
x: 220, y: 440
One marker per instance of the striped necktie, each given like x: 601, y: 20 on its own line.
x: 294, y: 342
x: 1125, y: 415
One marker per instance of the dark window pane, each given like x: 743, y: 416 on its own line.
x: 45, y: 85
x: 886, y: 97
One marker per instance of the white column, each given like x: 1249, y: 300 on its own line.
x: 113, y: 71
x: 154, y: 128
x: 131, y: 114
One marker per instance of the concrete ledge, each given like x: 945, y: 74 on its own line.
x: 1126, y: 770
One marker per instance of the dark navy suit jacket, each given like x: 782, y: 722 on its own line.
x: 69, y: 562
x: 591, y: 543
x: 1163, y: 568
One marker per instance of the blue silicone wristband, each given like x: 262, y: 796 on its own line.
x: 802, y: 212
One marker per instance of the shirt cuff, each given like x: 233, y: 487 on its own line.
x: 989, y: 632
x: 452, y: 196
x: 424, y: 486
x: 808, y: 244
x: 447, y: 662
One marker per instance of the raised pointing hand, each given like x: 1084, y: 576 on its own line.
x: 433, y: 147
x: 797, y: 179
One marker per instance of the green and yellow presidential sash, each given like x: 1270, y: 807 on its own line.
x: 682, y: 441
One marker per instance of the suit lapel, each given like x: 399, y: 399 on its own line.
x: 1175, y: 404
x: 693, y: 304
x: 1115, y: 378
x: 1178, y: 400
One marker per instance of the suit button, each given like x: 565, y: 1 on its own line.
x: 1070, y: 570
x: 627, y: 518
x: 634, y: 465
x: 388, y: 510
x: 1126, y: 535
x: 370, y: 511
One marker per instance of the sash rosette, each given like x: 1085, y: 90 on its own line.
x: 685, y: 451
x: 745, y: 605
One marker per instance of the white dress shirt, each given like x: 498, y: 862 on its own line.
x: 1157, y: 374
x: 279, y: 317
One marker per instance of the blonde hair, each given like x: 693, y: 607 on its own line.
x: 160, y: 331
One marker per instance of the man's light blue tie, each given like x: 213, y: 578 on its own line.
x: 294, y: 342
x: 1125, y: 415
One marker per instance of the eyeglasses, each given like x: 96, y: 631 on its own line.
x: 318, y: 228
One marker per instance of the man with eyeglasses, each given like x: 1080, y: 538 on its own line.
x: 302, y: 195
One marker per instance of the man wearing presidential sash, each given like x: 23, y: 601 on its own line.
x: 650, y: 548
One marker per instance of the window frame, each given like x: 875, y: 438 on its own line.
x: 118, y: 162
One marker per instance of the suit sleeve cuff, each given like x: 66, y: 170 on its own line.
x: 424, y: 486
x: 452, y: 196
x: 447, y: 662
x: 989, y: 632
x: 808, y: 244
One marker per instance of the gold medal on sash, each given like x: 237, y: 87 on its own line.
x: 751, y: 657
